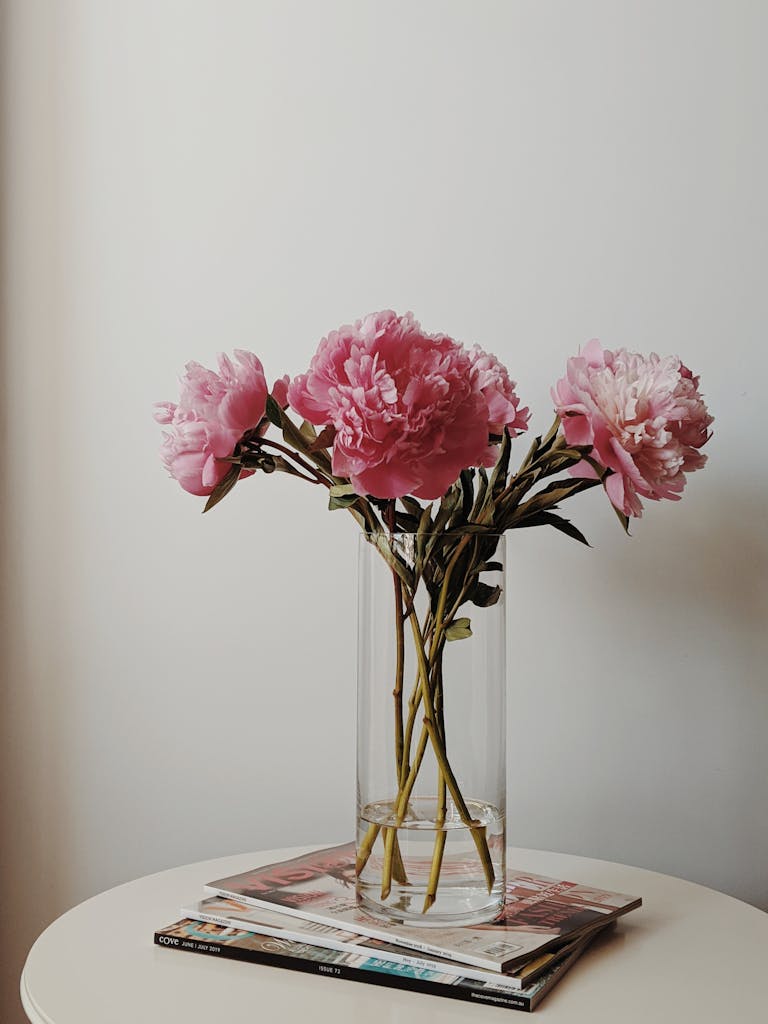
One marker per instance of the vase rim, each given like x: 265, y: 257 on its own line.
x: 458, y: 532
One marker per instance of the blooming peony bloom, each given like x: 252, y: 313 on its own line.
x: 193, y: 453
x: 498, y: 389
x: 408, y: 407
x: 644, y: 417
x: 213, y: 413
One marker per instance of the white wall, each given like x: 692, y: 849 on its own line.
x: 185, y: 177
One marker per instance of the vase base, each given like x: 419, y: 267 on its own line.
x: 417, y: 872
x: 399, y: 911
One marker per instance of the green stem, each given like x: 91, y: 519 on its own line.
x: 431, y: 732
x: 437, y: 855
x: 463, y: 593
x: 444, y: 597
x: 413, y: 707
x: 319, y: 478
x: 409, y: 774
x: 401, y: 807
x: 414, y: 703
x: 364, y: 849
x: 394, y: 858
x: 440, y: 833
x: 397, y: 693
x: 398, y: 868
x: 477, y: 830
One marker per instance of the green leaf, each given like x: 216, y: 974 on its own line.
x: 382, y: 504
x: 562, y: 458
x: 459, y: 629
x: 406, y: 523
x: 623, y: 519
x: 551, y: 436
x: 222, y: 488
x: 533, y: 451
x: 547, y: 498
x: 484, y: 596
x: 342, y: 501
x: 359, y: 518
x: 482, y: 490
x: 381, y: 541
x: 262, y: 460
x: 274, y: 412
x: 447, y: 507
x: 293, y: 435
x: 422, y: 532
x: 550, y: 519
x: 411, y: 505
x: 467, y: 478
x: 341, y: 496
x: 324, y: 439
x: 425, y: 520
x: 499, y: 476
x: 308, y: 432
x: 559, y: 490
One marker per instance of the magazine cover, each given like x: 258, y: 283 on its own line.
x: 237, y: 944
x: 540, y: 912
x: 233, y: 914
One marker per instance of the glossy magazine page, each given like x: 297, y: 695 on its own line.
x: 237, y: 944
x: 230, y: 913
x: 540, y: 913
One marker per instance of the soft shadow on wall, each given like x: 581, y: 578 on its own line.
x: 32, y: 800
x: 648, y: 742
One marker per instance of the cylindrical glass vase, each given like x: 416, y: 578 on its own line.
x: 431, y: 728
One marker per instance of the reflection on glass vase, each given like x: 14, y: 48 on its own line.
x: 431, y: 728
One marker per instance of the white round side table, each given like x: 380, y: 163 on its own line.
x: 689, y: 955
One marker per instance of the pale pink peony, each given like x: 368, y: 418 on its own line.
x: 407, y: 407
x: 213, y: 413
x: 644, y: 417
x: 192, y: 452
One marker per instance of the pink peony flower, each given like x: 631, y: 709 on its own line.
x: 643, y: 416
x: 192, y: 452
x: 498, y: 390
x: 280, y: 391
x: 408, y: 407
x: 213, y: 413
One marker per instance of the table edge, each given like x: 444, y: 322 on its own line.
x: 37, y: 1016
x: 28, y: 1004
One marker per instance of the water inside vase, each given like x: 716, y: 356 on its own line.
x: 462, y: 894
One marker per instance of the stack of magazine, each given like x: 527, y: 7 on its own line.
x: 301, y: 914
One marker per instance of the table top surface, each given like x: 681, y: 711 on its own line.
x: 689, y: 954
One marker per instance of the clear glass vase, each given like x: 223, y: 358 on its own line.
x: 431, y: 728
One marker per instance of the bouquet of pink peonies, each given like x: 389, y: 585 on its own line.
x: 412, y: 434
